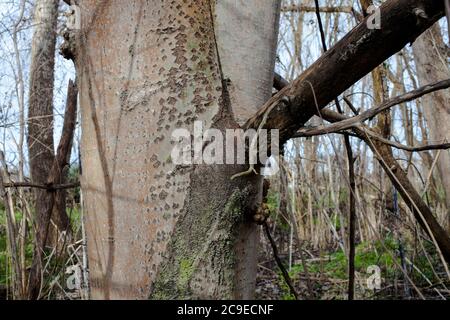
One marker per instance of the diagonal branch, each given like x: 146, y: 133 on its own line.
x: 399, y: 178
x: 348, y: 61
x: 376, y: 136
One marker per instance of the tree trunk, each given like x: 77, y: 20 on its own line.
x: 432, y: 66
x: 155, y: 229
x: 165, y: 231
x: 40, y: 124
x: 40, y: 109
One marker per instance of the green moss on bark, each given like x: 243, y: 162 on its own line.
x: 203, y: 247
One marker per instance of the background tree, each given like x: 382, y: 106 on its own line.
x: 432, y: 64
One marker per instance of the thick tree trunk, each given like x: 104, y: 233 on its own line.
x: 432, y: 66
x: 155, y: 229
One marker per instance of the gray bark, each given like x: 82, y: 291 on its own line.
x: 155, y: 229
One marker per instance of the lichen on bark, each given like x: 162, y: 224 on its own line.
x: 210, y: 253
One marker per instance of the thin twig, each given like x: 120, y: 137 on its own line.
x: 284, y: 272
x: 50, y: 187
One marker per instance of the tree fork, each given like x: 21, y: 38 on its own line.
x: 55, y: 176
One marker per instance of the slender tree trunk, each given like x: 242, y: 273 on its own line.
x: 40, y: 123
x: 40, y: 109
x: 432, y: 66
x: 155, y: 229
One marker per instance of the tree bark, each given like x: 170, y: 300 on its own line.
x: 155, y: 229
x: 40, y: 109
x: 40, y: 116
x: 40, y: 122
x: 50, y: 197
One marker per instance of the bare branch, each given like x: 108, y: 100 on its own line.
x: 369, y: 114
x: 333, y: 116
x: 303, y: 8
x: 349, y: 60
x: 399, y: 179
x: 279, y: 82
x: 41, y: 186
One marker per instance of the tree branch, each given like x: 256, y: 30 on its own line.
x: 283, y: 270
x: 303, y: 8
x: 447, y: 12
x: 279, y: 82
x: 332, y: 116
x: 369, y: 114
x: 337, y: 118
x: 348, y: 61
x: 49, y: 187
